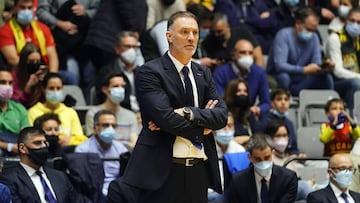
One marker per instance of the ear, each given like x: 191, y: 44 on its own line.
x: 105, y: 90
x: 22, y: 148
x: 169, y: 36
x: 117, y: 49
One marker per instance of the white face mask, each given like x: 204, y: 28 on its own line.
x: 245, y: 62
x: 280, y: 144
x: 129, y: 56
x: 343, y: 11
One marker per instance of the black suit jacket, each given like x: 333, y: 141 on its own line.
x: 23, y: 190
x: 282, y: 188
x: 326, y: 195
x: 159, y: 91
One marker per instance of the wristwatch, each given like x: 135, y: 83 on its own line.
x: 187, y: 113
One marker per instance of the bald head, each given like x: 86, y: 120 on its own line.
x: 340, y: 161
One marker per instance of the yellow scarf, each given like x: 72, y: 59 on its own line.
x: 20, y: 38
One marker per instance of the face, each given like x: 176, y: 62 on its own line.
x: 339, y: 163
x: 242, y: 90
x: 6, y: 78
x: 54, y: 84
x: 335, y: 108
x: 310, y: 24
x: 183, y: 37
x: 105, y: 121
x: 281, y: 133
x: 114, y: 82
x: 242, y: 48
x: 51, y: 127
x: 127, y: 42
x: 23, y: 5
x: 34, y: 142
x: 354, y: 18
x: 346, y: 3
x: 230, y: 124
x: 258, y: 155
x: 221, y: 28
x: 281, y: 103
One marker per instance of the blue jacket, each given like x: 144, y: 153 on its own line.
x: 256, y: 79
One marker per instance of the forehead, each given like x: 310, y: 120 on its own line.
x: 50, y: 122
x: 241, y: 86
x: 336, y: 104
x: 129, y: 40
x: 261, y: 152
x: 354, y: 15
x: 116, y: 80
x: 341, y: 161
x: 311, y: 21
x: 184, y: 23
x: 25, y: 3
x: 243, y: 45
x: 107, y: 118
x: 35, y: 137
x: 281, y: 96
x: 5, y: 75
x: 54, y: 81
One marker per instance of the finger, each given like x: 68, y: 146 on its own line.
x: 208, y: 104
x: 214, y: 103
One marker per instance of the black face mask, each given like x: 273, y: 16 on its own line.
x: 32, y: 67
x: 242, y: 101
x: 219, y: 39
x: 53, y: 141
x: 38, y: 156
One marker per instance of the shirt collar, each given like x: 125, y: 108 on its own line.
x: 337, y: 191
x: 30, y: 171
x: 258, y: 177
x: 178, y: 64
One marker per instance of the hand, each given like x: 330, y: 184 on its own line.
x: 67, y: 27
x: 256, y: 110
x: 208, y: 62
x: 152, y: 126
x: 349, y: 118
x: 329, y: 65
x: 265, y: 14
x: 210, y: 105
x: 64, y: 140
x: 312, y: 69
x: 326, y: 13
x: 78, y: 10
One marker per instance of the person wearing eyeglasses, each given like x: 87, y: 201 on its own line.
x: 340, y: 171
x: 102, y: 143
x: 30, y: 180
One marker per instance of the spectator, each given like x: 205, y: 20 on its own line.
x: 207, y: 3
x: 254, y: 15
x: 114, y: 87
x: 341, y: 132
x: 222, y: 38
x: 285, y: 12
x: 28, y: 76
x: 280, y: 103
x: 126, y: 49
x: 243, y: 66
x: 5, y: 13
x: 266, y: 182
x: 162, y: 9
x: 13, y: 115
x: 71, y: 131
x: 50, y: 124
x: 343, y: 48
x: 280, y: 138
x: 42, y: 184
x: 295, y: 57
x: 236, y: 97
x: 112, y: 17
x: 102, y: 143
x: 338, y: 22
x: 340, y: 172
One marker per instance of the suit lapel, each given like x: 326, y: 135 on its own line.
x: 330, y: 194
x: 199, y: 80
x: 252, y: 191
x: 25, y: 178
x: 54, y: 184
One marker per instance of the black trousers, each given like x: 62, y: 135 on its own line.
x: 184, y: 185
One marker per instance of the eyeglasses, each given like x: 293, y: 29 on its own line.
x: 353, y: 170
x: 106, y: 125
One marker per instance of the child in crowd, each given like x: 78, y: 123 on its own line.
x: 340, y: 133
x: 280, y: 103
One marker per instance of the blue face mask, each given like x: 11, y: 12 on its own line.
x: 203, y: 33
x: 343, y: 178
x: 117, y: 94
x: 224, y: 136
x: 24, y: 17
x: 263, y: 168
x: 54, y: 97
x: 107, y: 135
x: 305, y: 35
x: 291, y: 3
x: 353, y: 29
x: 280, y: 115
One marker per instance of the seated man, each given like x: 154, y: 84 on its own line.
x: 263, y: 181
x: 30, y: 180
x: 341, y: 172
x: 113, y: 87
x: 13, y: 117
x: 102, y: 142
x: 295, y: 57
x: 243, y: 66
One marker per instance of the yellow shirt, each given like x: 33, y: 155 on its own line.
x: 70, y: 122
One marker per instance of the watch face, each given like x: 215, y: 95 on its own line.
x: 187, y: 110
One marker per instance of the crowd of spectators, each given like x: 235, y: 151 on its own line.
x: 261, y: 53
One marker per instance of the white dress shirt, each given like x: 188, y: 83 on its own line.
x: 338, y: 193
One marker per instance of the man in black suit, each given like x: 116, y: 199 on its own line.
x: 30, y: 181
x: 340, y: 172
x: 175, y: 158
x: 263, y: 181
